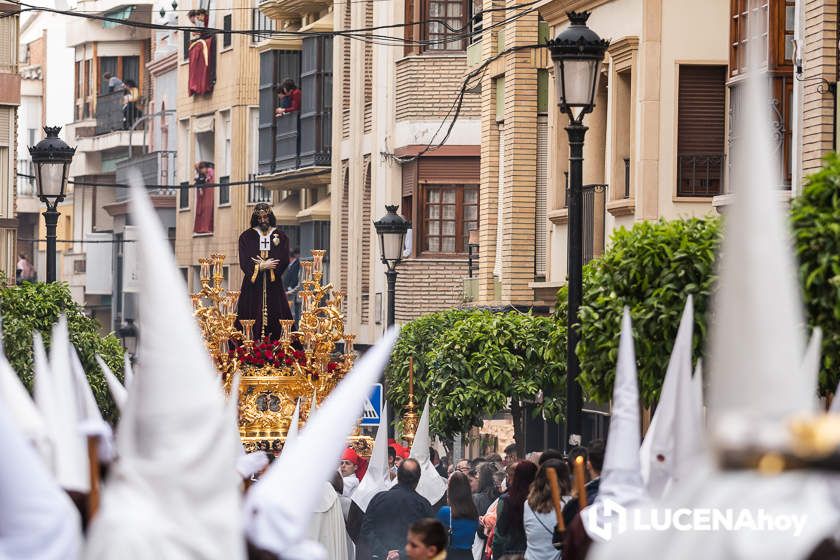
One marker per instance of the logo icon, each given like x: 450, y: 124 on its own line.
x: 612, y: 522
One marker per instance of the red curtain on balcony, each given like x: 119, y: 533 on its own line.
x: 202, y: 76
x: 204, y: 202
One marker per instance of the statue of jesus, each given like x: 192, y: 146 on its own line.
x: 263, y: 256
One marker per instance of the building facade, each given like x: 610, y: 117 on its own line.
x: 655, y: 147
x: 9, y: 101
x: 217, y: 122
x: 295, y: 149
x: 394, y: 141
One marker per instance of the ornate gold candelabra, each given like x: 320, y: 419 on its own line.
x: 302, y: 364
x: 215, y: 310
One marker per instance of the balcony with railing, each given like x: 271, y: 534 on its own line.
x: 700, y: 175
x: 295, y: 150
x: 157, y: 170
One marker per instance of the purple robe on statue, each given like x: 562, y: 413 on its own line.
x: 251, y: 295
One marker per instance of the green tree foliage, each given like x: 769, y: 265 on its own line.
x: 651, y: 268
x: 36, y: 307
x: 816, y: 228
x: 471, y: 363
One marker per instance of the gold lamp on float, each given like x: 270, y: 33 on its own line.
x: 276, y: 374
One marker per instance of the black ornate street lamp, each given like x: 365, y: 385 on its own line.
x: 51, y: 158
x: 577, y: 52
x: 128, y: 335
x: 391, y: 229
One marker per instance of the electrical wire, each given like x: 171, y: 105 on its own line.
x: 458, y: 34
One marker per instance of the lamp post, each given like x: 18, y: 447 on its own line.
x: 128, y: 335
x: 577, y: 52
x: 391, y: 229
x: 51, y: 158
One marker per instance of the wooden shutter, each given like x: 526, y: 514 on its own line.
x: 267, y: 100
x: 368, y: 84
x: 449, y: 169
x: 701, y: 121
x: 540, y: 218
x: 366, y: 228
x: 286, y: 138
x: 345, y: 230
x: 345, y: 73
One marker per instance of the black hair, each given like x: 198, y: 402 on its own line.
x: 431, y: 533
x: 596, y: 454
x: 409, y: 473
x: 337, y: 483
x: 272, y: 220
x: 295, y: 252
x: 288, y: 84
x: 549, y: 454
x: 512, y: 449
x: 392, y: 452
x: 130, y: 83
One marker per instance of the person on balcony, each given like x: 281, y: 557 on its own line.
x: 205, y: 181
x: 114, y: 83
x: 130, y: 101
x: 289, y: 98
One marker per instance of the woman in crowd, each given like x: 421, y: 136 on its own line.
x: 426, y: 541
x: 538, y: 516
x: 487, y: 488
x: 509, y: 537
x: 460, y: 517
x: 289, y: 98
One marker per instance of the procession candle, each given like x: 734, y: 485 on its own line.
x: 307, y: 270
x: 348, y: 343
x: 205, y: 269
x: 248, y: 325
x: 286, y: 326
x: 580, y: 482
x: 318, y: 259
x: 233, y: 297
x: 217, y: 266
x: 555, y: 498
x: 223, y: 306
x: 196, y: 298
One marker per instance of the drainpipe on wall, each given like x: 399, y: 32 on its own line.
x: 798, y: 99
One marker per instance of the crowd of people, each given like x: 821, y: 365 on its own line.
x: 494, y: 507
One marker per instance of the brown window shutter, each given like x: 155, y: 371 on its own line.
x: 409, y: 178
x: 701, y: 130
x: 449, y: 169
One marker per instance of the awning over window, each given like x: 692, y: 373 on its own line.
x: 204, y: 124
x: 318, y: 211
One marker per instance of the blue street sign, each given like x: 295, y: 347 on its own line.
x: 373, y: 407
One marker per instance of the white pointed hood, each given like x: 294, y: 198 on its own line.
x: 37, y: 518
x: 675, y: 428
x: 56, y: 398
x: 91, y: 422
x: 376, y: 477
x: 117, y: 390
x: 810, y: 367
x: 432, y: 486
x: 22, y: 409
x: 279, y: 525
x: 621, y: 479
x: 292, y: 434
x: 174, y: 493
x: 756, y: 338
x: 313, y: 406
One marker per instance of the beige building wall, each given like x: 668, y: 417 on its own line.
x: 388, y: 104
x: 816, y: 102
x: 635, y: 116
x: 9, y: 101
x: 230, y: 110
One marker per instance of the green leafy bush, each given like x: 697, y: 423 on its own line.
x: 815, y: 217
x: 471, y: 364
x: 651, y: 268
x: 32, y: 307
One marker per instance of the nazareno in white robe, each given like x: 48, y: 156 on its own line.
x: 327, y: 526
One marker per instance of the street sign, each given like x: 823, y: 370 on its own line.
x: 373, y: 407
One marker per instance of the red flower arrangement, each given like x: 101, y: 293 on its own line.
x: 267, y: 352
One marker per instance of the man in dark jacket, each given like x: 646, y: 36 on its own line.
x: 391, y: 513
x: 594, y: 464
